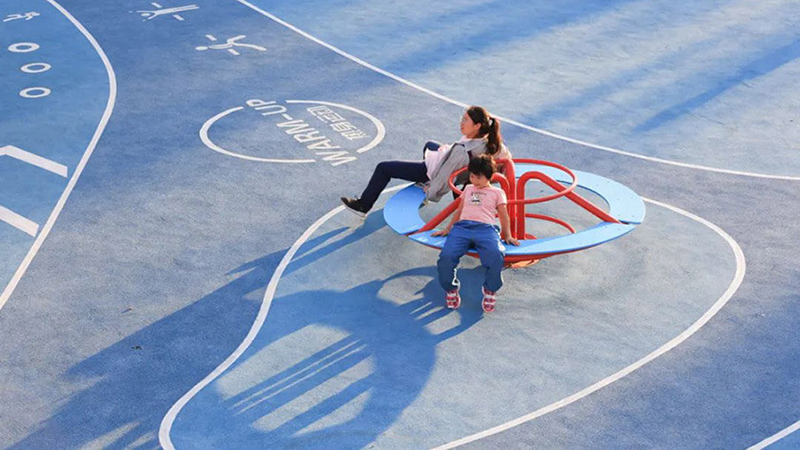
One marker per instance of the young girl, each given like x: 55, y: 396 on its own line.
x: 473, y: 225
x: 481, y: 134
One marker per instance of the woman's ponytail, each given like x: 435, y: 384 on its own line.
x: 494, y: 137
x: 490, y: 128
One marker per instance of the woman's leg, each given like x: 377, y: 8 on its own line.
x: 458, y: 241
x: 490, y: 249
x: 432, y: 146
x: 405, y: 170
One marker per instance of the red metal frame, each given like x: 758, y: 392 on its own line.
x: 515, y: 192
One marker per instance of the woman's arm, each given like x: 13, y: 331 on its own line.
x: 456, y: 217
x: 505, y: 225
x: 455, y: 159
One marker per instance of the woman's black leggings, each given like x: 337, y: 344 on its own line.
x: 415, y: 171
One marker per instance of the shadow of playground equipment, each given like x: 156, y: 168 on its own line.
x: 391, y: 338
x: 136, y: 380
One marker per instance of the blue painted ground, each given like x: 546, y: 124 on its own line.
x: 681, y: 80
x: 156, y: 268
x: 57, y: 126
x: 349, y: 361
x: 787, y: 443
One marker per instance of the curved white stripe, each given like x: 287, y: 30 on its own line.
x: 112, y: 97
x: 514, y: 122
x: 206, y: 140
x: 735, y: 283
x: 378, y: 124
x: 776, y: 437
x: 166, y: 423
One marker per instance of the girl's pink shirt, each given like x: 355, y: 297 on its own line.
x: 480, y: 204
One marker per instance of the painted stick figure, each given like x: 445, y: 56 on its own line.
x: 230, y: 43
x: 152, y: 14
x: 27, y: 16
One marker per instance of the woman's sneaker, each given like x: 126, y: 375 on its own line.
x: 354, y: 206
x: 452, y: 299
x: 489, y: 299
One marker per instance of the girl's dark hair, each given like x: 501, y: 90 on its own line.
x: 490, y: 127
x: 482, y: 165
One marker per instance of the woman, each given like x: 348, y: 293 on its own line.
x: 480, y: 134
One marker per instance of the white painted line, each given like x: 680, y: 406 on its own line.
x: 112, y: 95
x: 166, y: 423
x: 207, y: 141
x: 776, y: 437
x: 513, y: 122
x: 677, y: 340
x: 17, y: 221
x: 351, y: 57
x: 35, y: 160
x: 378, y: 124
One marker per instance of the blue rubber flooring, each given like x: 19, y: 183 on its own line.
x: 192, y: 281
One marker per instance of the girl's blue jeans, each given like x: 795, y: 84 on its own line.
x: 464, y: 235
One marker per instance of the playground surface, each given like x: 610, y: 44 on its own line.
x: 177, y: 270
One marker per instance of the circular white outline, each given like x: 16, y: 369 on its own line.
x: 169, y: 418
x: 45, y: 67
x: 513, y: 122
x: 25, y: 92
x: 210, y: 144
x: 378, y: 124
x: 30, y: 47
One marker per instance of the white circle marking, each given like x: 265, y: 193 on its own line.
x: 23, y: 47
x: 36, y: 67
x: 112, y: 97
x: 381, y: 133
x: 34, y: 92
x: 210, y: 144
